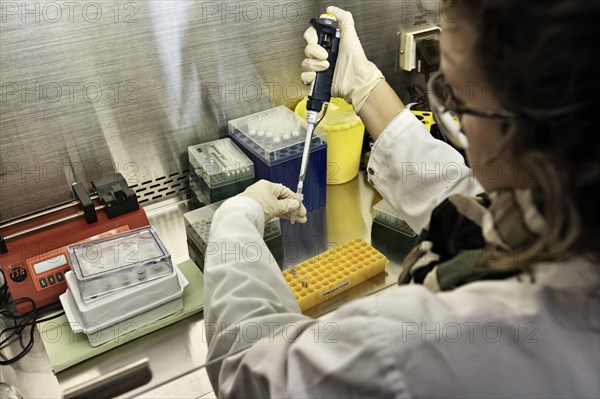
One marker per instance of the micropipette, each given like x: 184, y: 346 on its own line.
x: 319, y: 93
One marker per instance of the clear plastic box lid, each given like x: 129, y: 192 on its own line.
x: 386, y: 215
x: 198, y: 224
x: 275, y: 135
x: 119, y: 261
x: 199, y: 181
x: 272, y: 229
x: 220, y: 162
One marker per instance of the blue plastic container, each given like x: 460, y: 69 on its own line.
x: 274, y: 141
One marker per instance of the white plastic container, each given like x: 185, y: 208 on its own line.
x: 109, y: 329
x: 114, y: 332
x: 118, y: 305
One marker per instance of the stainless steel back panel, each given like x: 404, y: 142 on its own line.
x: 92, y: 87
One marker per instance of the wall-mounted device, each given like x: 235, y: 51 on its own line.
x: 423, y: 41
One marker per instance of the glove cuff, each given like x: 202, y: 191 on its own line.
x: 362, y: 88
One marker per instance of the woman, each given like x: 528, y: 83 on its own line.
x: 509, y: 300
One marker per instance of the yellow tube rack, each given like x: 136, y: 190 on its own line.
x: 329, y: 274
x: 426, y: 118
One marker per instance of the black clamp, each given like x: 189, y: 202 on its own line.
x: 87, y: 206
x: 116, y: 195
x: 3, y: 247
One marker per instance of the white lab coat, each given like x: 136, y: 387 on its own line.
x: 487, y: 339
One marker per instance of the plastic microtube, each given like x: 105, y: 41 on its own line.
x: 296, y: 131
x: 285, y: 130
x: 305, y: 280
x: 277, y: 137
x: 252, y: 127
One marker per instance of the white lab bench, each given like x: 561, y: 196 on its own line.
x: 175, y: 352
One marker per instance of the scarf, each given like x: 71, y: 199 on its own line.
x: 466, y: 234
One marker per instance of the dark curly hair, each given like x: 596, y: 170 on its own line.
x: 539, y: 57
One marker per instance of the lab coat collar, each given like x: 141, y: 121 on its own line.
x: 577, y: 273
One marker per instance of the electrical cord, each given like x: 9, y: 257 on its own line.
x: 323, y: 115
x: 418, y: 95
x: 20, y: 322
x: 4, y: 294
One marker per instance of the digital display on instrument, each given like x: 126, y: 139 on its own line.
x: 49, y: 264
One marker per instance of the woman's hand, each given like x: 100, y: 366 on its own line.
x: 355, y: 76
x: 276, y: 200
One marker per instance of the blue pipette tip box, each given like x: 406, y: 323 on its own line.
x: 274, y: 141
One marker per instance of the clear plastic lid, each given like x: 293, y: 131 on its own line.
x: 275, y: 135
x: 386, y: 215
x: 220, y: 162
x: 119, y: 261
x: 272, y: 229
x: 198, y: 224
x: 200, y: 183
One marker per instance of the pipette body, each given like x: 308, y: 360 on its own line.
x: 319, y: 93
x: 311, y: 119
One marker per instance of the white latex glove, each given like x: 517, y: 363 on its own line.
x: 355, y: 76
x: 276, y: 200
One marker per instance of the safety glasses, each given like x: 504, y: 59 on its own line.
x: 447, y: 111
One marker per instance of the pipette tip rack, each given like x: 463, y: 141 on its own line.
x: 333, y: 272
x: 274, y: 141
x: 218, y: 170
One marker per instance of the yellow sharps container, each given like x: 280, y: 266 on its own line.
x: 345, y: 132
